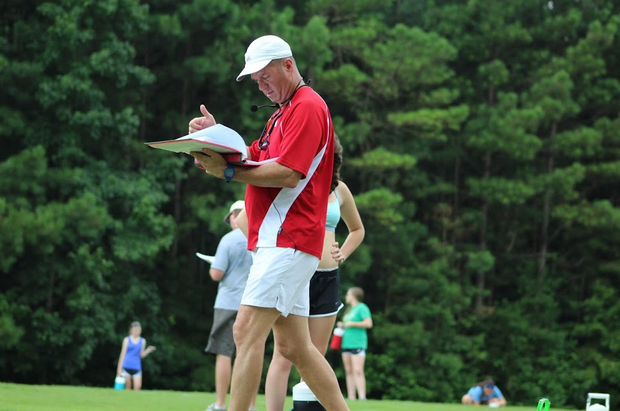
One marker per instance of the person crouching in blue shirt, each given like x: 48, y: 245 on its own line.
x: 485, y: 393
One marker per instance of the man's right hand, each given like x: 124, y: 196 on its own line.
x: 199, y: 123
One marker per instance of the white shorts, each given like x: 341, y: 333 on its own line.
x: 355, y: 352
x: 280, y: 279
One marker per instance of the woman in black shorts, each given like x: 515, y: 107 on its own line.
x: 325, y: 299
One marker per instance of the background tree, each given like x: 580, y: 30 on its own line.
x: 81, y: 217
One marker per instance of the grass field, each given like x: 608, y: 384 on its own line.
x: 18, y: 397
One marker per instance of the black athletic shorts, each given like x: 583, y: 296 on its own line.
x: 325, y: 297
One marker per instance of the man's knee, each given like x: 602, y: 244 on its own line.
x: 241, y: 330
x: 253, y: 324
x: 294, y: 350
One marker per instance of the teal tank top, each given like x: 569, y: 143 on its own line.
x: 333, y: 214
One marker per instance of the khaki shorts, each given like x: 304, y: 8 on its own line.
x: 221, y: 341
x: 280, y: 279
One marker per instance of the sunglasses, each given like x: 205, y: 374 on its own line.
x: 489, y: 386
x: 263, y: 141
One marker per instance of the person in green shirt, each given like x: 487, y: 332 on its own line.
x: 356, y: 320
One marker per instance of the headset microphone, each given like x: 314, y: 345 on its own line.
x: 254, y: 108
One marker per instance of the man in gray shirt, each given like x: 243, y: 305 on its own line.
x: 230, y: 268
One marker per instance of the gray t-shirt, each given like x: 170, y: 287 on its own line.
x: 233, y: 258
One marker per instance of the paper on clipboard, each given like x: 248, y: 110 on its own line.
x: 219, y: 138
x: 207, y: 258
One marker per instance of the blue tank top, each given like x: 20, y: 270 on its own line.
x: 132, y: 359
x: 333, y: 214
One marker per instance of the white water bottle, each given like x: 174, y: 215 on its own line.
x: 304, y: 399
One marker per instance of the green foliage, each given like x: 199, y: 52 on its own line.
x: 505, y: 129
x: 578, y: 143
x: 480, y: 261
x: 432, y: 122
x: 10, y: 333
x: 501, y: 191
x: 599, y: 214
x: 553, y: 96
x: 381, y: 203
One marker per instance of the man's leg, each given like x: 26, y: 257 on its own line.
x: 293, y: 341
x: 222, y: 378
x: 251, y: 329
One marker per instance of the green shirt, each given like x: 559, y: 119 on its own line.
x: 354, y: 337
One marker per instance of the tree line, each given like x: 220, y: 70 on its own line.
x: 481, y: 140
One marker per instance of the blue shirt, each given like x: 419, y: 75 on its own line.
x: 132, y: 360
x: 477, y: 394
x: 333, y: 214
x: 233, y: 258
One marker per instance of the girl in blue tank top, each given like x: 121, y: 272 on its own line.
x: 134, y: 349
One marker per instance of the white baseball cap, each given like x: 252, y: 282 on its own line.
x: 262, y: 51
x: 237, y: 205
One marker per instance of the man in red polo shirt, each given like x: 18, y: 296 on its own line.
x: 286, y: 203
